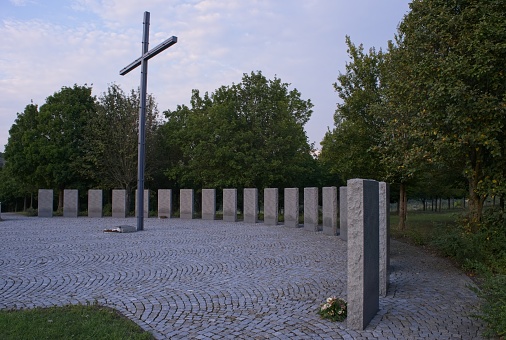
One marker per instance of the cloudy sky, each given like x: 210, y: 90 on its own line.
x: 48, y: 44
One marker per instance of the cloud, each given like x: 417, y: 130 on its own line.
x: 20, y: 3
x: 89, y: 41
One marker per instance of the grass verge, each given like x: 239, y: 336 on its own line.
x: 479, y: 248
x: 69, y: 322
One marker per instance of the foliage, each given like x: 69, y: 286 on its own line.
x: 493, y: 309
x: 482, y: 252
x: 112, y: 139
x: 61, y: 126
x: 334, y: 309
x: 433, y: 104
x: 249, y: 134
x: 45, y: 148
x: 449, y: 57
x: 348, y: 149
x: 76, y: 322
x: 21, y: 157
x: 479, y: 248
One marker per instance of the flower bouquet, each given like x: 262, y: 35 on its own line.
x: 334, y: 309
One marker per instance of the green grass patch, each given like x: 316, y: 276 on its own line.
x: 479, y: 248
x: 422, y: 227
x: 69, y: 322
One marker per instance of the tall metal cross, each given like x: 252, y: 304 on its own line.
x: 143, y: 61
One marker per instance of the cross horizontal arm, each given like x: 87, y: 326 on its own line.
x: 149, y: 54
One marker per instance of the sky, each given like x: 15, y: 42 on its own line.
x: 49, y: 44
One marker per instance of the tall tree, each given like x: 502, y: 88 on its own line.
x: 112, y: 139
x: 349, y: 149
x: 249, y: 134
x: 453, y: 55
x: 62, y: 123
x: 21, y: 154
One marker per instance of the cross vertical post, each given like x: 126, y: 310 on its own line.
x: 143, y: 62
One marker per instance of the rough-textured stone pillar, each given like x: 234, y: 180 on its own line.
x: 186, y: 204
x: 250, y: 209
x: 384, y: 237
x: 311, y: 209
x: 208, y: 204
x: 164, y: 203
x: 329, y: 203
x: 45, y: 203
x: 119, y: 203
x: 230, y: 205
x: 95, y: 203
x: 343, y: 213
x: 146, y: 203
x: 70, y: 202
x: 291, y: 207
x: 271, y: 206
x: 363, y: 252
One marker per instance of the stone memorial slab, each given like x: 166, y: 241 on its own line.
x: 70, y: 202
x: 343, y: 213
x: 95, y: 203
x: 363, y: 252
x: 329, y: 207
x: 186, y: 204
x: 250, y: 209
x: 384, y: 237
x: 311, y: 209
x: 271, y: 206
x: 208, y: 204
x: 45, y: 203
x: 146, y: 203
x: 291, y: 207
x: 230, y: 205
x: 119, y: 203
x: 164, y: 203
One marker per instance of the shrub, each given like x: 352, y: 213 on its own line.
x: 477, y: 247
x: 493, y: 309
x: 481, y: 248
x: 107, y: 211
x: 31, y: 212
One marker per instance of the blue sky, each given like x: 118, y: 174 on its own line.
x: 45, y: 45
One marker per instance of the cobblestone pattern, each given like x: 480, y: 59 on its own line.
x: 195, y: 279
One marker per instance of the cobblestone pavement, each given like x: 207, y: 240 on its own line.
x: 194, y: 279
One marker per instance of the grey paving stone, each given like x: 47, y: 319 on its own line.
x: 216, y: 280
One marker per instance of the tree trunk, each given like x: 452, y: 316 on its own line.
x: 403, y: 206
x: 60, y: 200
x: 475, y: 202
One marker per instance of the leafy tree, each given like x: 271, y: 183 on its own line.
x: 61, y: 127
x: 45, y: 148
x: 451, y: 55
x: 348, y: 150
x: 21, y: 155
x: 249, y: 134
x: 112, y: 139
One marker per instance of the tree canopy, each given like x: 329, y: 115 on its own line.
x: 45, y: 147
x: 433, y: 103
x: 112, y: 139
x: 249, y: 134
